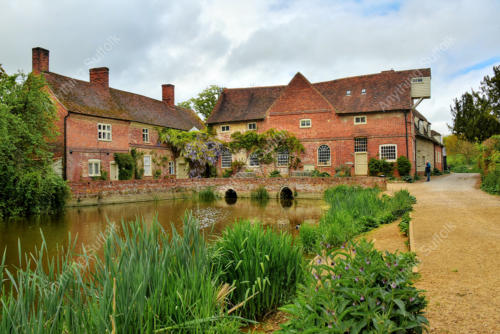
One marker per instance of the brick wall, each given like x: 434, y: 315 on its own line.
x: 95, y: 192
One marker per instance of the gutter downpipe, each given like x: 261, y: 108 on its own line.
x: 406, y: 134
x: 65, y: 163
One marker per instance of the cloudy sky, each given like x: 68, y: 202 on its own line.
x: 231, y: 43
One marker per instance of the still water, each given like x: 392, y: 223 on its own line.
x: 87, y: 223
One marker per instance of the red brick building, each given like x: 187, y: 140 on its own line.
x: 342, y: 122
x: 96, y: 121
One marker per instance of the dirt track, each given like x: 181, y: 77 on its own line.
x: 457, y: 238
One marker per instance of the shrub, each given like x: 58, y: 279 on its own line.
x: 343, y: 170
x: 404, y: 224
x: 436, y: 171
x: 263, y: 266
x: 308, y: 238
x: 362, y: 291
x: 317, y: 173
x: 380, y: 167
x: 275, y: 173
x: 145, y: 281
x: 126, y: 165
x: 491, y: 182
x: 157, y: 174
x: 259, y: 194
x: 404, y: 166
x: 227, y: 173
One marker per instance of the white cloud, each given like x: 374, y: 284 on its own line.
x: 240, y: 43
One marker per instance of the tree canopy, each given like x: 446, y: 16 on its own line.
x: 476, y: 114
x: 205, y: 102
x: 27, y: 115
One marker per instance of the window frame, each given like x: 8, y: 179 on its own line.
x: 250, y: 158
x: 358, y: 145
x: 171, y: 167
x: 145, y: 135
x: 226, y: 151
x: 363, y: 91
x: 254, y: 124
x: 93, y: 161
x: 329, y: 162
x: 280, y: 159
x: 395, y: 152
x: 359, y: 123
x: 102, y: 128
x: 150, y: 165
x: 301, y: 126
x: 224, y: 126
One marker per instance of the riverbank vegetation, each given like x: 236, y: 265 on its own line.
x: 27, y: 131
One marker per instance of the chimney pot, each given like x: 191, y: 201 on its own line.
x: 39, y: 60
x: 99, y: 77
x: 168, y: 94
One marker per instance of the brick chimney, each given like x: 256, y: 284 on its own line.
x: 168, y: 94
x: 40, y: 60
x: 99, y: 77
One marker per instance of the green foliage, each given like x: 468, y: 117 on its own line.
x: 126, y: 165
x: 267, y: 145
x: 378, y: 167
x: 205, y: 102
x: 489, y: 162
x: 354, y: 210
x: 317, y: 173
x: 102, y: 177
x: 138, y: 172
x: 27, y: 131
x: 227, y: 173
x: 263, y: 266
x: 436, y: 171
x: 259, y: 194
x: 146, y: 280
x: 275, y: 173
x: 359, y: 291
x: 207, y: 195
x: 342, y: 170
x: 476, y: 114
x: 404, y: 224
x: 491, y: 182
x: 308, y: 236
x: 157, y: 174
x: 404, y: 166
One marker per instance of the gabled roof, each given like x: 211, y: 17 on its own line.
x: 81, y: 97
x: 385, y: 91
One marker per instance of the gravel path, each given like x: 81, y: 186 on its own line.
x: 457, y: 239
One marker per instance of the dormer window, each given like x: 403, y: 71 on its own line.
x: 348, y: 93
x: 363, y: 91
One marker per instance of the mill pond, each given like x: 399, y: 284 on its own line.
x: 87, y: 223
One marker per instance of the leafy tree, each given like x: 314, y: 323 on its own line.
x: 205, y: 102
x: 27, y: 127
x: 476, y: 114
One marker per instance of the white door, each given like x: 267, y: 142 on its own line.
x: 113, y: 171
x: 361, y: 163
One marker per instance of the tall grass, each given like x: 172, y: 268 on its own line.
x: 259, y: 194
x: 354, y: 210
x: 145, y: 281
x: 207, y: 195
x: 264, y: 267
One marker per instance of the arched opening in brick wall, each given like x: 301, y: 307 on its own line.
x: 286, y: 193
x: 231, y: 196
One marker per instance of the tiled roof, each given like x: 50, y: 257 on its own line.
x: 81, y: 97
x: 385, y: 91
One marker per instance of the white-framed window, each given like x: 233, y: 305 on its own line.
x: 226, y: 158
x: 224, y: 128
x: 324, y: 158
x: 361, y: 144
x: 94, y: 167
x: 253, y: 160
x: 363, y: 91
x: 252, y: 126
x: 171, y: 167
x: 104, y: 132
x: 348, y: 93
x: 359, y: 119
x: 305, y: 123
x: 145, y: 135
x: 147, y: 165
x: 283, y: 158
x: 388, y: 152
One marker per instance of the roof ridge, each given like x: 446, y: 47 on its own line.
x: 372, y: 74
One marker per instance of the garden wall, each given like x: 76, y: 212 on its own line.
x: 105, y: 192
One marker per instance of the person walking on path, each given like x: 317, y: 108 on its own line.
x: 428, y: 170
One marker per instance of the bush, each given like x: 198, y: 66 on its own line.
x: 404, y: 166
x: 343, y: 170
x: 380, y: 167
x: 126, y: 164
x: 259, y: 194
x: 157, y: 174
x: 145, y: 281
x: 404, y: 224
x: 227, y: 173
x: 263, y: 266
x: 308, y: 238
x: 317, y: 173
x: 362, y: 291
x: 275, y: 173
x: 491, y: 182
x: 436, y: 171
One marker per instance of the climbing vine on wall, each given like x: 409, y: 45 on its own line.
x: 198, y: 148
